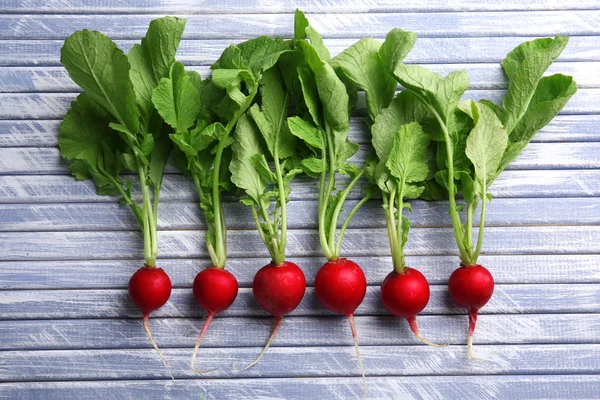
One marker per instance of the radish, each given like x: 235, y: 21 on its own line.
x: 112, y: 127
x: 203, y: 129
x: 397, y: 168
x: 322, y: 123
x: 477, y: 140
x: 264, y: 162
x: 278, y: 289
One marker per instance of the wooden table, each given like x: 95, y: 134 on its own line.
x: 69, y: 331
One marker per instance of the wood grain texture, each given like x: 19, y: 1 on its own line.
x: 310, y: 361
x: 44, y: 133
x: 187, y: 215
x: 382, y: 330
x: 16, y: 246
x: 45, y: 52
x: 240, y: 26
x: 55, y: 105
x: 280, y: 6
x: 83, y: 274
x: 113, y: 303
x: 481, y: 76
x: 483, y: 387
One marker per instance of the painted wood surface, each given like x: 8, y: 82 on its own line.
x: 69, y: 331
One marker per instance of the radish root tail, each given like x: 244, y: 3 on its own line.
x: 162, y: 358
x: 472, y: 324
x: 360, y: 363
x: 264, y: 350
x: 412, y: 322
x: 198, y: 342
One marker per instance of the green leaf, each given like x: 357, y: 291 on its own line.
x: 316, y: 42
x: 243, y: 172
x: 259, y: 162
x: 406, y: 160
x: 395, y: 48
x: 300, y: 25
x: 176, y: 99
x: 551, y: 95
x: 152, y: 59
x: 360, y: 63
x: 333, y: 96
x: 350, y: 169
x: 440, y: 94
x: 231, y: 58
x: 485, y: 145
x: 102, y: 70
x: 263, y: 52
x: 312, y: 166
x: 89, y: 144
x: 310, y: 94
x: 524, y: 67
x: 271, y: 115
x: 404, y: 109
x: 306, y: 132
x: 147, y: 144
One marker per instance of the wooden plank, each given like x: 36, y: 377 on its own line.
x: 47, y: 161
x: 296, y: 331
x: 16, y: 246
x: 83, y: 274
x: 115, y: 303
x: 426, y: 50
x: 44, y: 133
x: 215, y: 26
x: 482, y: 76
x: 55, y: 105
x: 302, y: 214
x: 280, y: 6
x: 413, y: 387
x: 510, y: 184
x: 302, y: 362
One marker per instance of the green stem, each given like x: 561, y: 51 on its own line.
x: 336, y: 214
x: 260, y: 231
x: 282, y: 200
x: 456, y: 223
x: 210, y: 226
x: 399, y: 265
x: 148, y: 221
x: 469, y: 224
x: 323, y: 208
x: 331, y: 185
x: 484, y: 201
x: 391, y: 226
x: 216, y: 193
x: 338, y: 248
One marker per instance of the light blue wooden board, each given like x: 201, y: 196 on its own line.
x: 56, y: 234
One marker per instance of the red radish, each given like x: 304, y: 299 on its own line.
x: 471, y: 287
x: 215, y: 290
x: 405, y: 295
x: 278, y: 289
x: 340, y: 285
x: 149, y: 289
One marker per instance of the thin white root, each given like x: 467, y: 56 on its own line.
x: 147, y: 329
x: 471, y: 352
x: 412, y: 322
x: 360, y: 363
x: 264, y: 350
x: 198, y: 342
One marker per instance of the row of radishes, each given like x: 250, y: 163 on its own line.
x: 234, y: 131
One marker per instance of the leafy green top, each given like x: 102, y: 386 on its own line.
x: 203, y: 113
x: 477, y: 140
x: 112, y: 126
